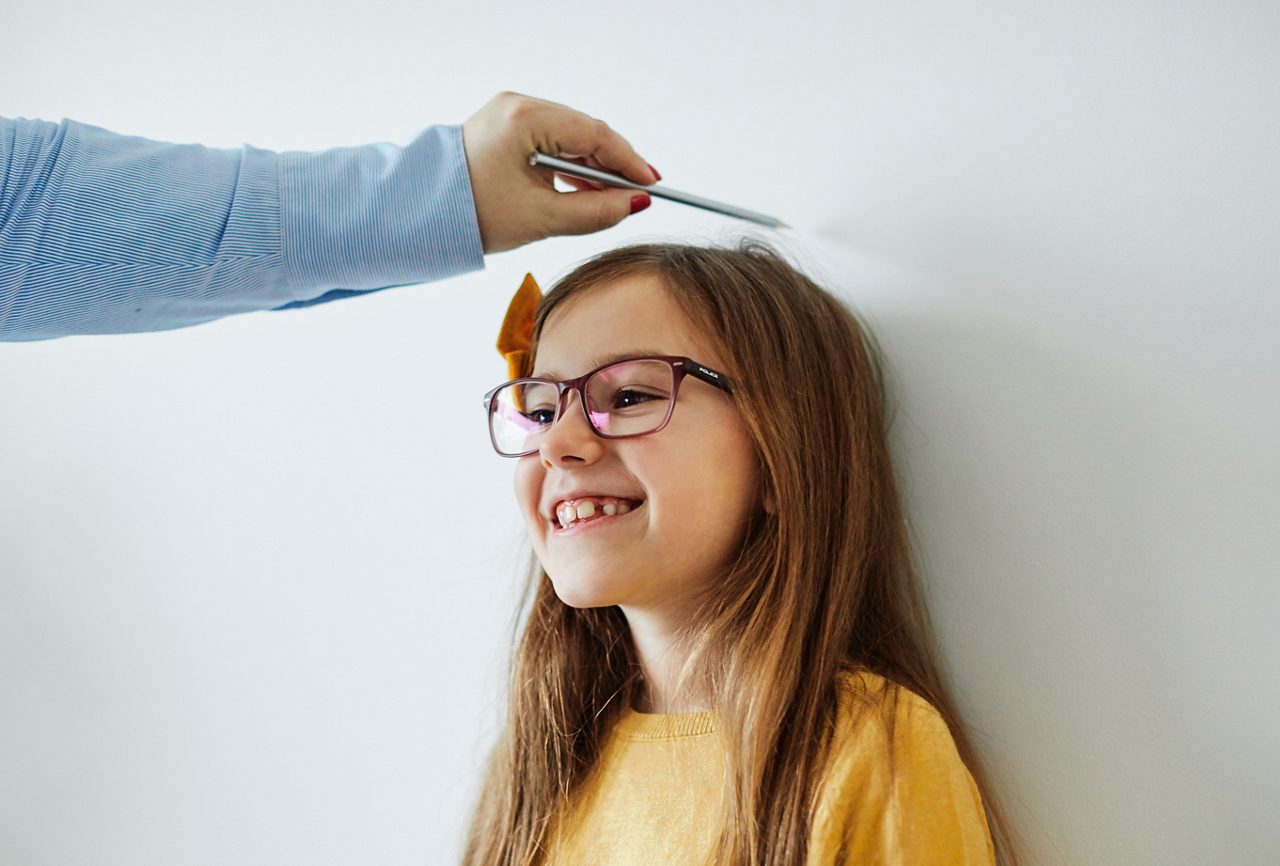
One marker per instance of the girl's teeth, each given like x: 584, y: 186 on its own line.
x: 568, y: 513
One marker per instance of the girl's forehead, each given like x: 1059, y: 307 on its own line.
x: 630, y: 316
x: 641, y: 294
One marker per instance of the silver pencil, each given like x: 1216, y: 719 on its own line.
x: 581, y: 171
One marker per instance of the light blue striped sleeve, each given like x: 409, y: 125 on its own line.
x: 103, y: 233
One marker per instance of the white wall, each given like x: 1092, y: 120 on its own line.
x: 256, y: 577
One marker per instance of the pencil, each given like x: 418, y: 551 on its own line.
x: 581, y: 171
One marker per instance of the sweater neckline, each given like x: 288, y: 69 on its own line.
x: 635, y: 725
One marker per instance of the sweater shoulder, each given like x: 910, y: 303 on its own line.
x: 861, y: 692
x: 880, y: 721
x: 895, y: 786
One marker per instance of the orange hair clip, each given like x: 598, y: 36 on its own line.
x: 516, y: 335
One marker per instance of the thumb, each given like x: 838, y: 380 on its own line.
x: 586, y: 211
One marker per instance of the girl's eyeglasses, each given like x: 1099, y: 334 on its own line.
x: 626, y: 398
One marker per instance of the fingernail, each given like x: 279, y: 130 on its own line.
x: 655, y: 171
x: 640, y: 202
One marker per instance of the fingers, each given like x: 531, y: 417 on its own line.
x: 574, y: 181
x: 571, y: 134
x: 579, y: 213
x: 517, y: 203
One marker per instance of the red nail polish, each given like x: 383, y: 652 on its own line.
x: 640, y: 202
x: 655, y: 171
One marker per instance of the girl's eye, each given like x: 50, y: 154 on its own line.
x: 629, y: 397
x: 541, y: 416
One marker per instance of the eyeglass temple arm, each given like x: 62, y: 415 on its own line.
x: 711, y: 377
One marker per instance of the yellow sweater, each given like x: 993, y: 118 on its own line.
x: 655, y: 797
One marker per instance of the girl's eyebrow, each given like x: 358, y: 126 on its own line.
x: 601, y: 360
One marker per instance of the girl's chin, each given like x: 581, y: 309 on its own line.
x: 579, y: 592
x: 584, y: 601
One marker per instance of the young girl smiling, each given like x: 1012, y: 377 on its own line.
x: 725, y: 657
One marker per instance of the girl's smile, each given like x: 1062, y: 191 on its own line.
x: 588, y: 524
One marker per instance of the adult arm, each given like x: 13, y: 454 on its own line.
x: 104, y: 233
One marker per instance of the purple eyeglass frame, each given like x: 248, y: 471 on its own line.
x: 680, y: 367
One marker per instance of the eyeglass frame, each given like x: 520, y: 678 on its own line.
x: 679, y: 370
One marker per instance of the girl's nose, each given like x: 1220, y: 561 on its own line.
x: 570, y: 439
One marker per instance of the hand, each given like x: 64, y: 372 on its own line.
x: 517, y: 203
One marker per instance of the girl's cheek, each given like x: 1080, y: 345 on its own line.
x: 528, y: 492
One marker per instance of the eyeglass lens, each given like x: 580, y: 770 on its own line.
x: 629, y: 398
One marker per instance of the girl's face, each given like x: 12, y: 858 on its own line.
x: 697, y: 477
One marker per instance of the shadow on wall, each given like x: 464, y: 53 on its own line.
x: 1075, y: 578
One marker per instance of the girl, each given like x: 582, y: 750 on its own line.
x: 726, y: 658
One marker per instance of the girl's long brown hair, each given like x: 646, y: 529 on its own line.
x: 823, y: 583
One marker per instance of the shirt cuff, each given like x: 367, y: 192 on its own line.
x: 371, y: 217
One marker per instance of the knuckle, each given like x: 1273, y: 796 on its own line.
x: 518, y: 110
x: 604, y: 217
x: 501, y: 102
